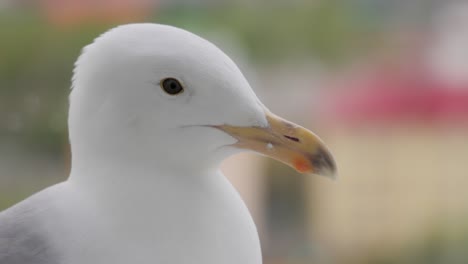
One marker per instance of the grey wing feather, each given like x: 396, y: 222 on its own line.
x: 21, y: 240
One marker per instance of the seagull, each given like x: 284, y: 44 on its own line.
x: 154, y: 110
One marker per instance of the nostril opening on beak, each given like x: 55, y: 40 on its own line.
x: 295, y: 139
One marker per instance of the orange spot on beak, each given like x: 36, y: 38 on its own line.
x: 301, y: 165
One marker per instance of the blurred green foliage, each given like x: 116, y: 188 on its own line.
x: 328, y: 31
x: 36, y: 62
x: 36, y: 65
x: 442, y: 245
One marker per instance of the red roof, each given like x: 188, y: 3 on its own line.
x: 72, y: 12
x: 387, y: 96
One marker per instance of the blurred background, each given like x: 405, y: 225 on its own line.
x: 383, y: 82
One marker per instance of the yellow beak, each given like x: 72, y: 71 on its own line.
x: 286, y: 142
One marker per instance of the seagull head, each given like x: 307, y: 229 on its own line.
x: 156, y: 94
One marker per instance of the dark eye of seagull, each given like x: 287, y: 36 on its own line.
x: 172, y: 86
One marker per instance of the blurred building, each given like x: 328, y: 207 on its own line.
x: 399, y: 131
x: 400, y: 152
